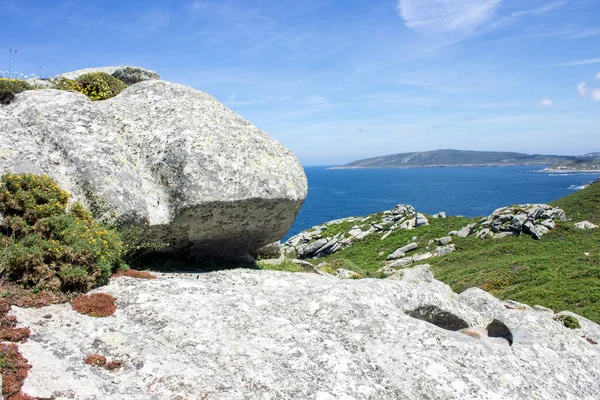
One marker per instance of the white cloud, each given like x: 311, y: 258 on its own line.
x: 596, y: 94
x: 579, y: 62
x: 583, y: 89
x: 598, y: 75
x: 546, y: 103
x: 447, y: 19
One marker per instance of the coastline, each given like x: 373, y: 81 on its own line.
x: 447, y: 166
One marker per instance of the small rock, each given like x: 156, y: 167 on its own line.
x: 443, y: 250
x: 585, y: 225
x: 443, y: 241
x: 421, y: 257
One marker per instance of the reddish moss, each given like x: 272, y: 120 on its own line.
x: 13, y: 365
x: 132, y: 273
x: 95, y: 304
x: 14, y: 369
x: 14, y: 334
x: 114, y: 365
x: 96, y: 360
x: 591, y: 341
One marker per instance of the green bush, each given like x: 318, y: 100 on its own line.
x: 131, y: 75
x: 45, y: 247
x: 568, y: 320
x: 95, y: 85
x: 9, y: 87
x: 100, y: 85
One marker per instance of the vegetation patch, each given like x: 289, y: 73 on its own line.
x: 132, y: 273
x: 9, y: 87
x: 568, y: 320
x: 44, y: 246
x: 14, y: 370
x: 98, y: 360
x: 95, y: 305
x: 95, y: 85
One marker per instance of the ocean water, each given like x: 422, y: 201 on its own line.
x: 469, y: 191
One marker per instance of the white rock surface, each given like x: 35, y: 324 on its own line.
x: 585, y: 225
x: 205, y: 179
x: 270, y: 335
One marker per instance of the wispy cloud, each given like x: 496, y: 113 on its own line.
x: 546, y: 102
x: 539, y: 10
x: 578, y: 62
x: 583, y: 89
x: 598, y: 75
x: 448, y: 20
x: 596, y: 94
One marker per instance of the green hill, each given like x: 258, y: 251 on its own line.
x: 561, y: 271
x: 437, y: 158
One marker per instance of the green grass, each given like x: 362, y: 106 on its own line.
x: 582, y: 205
x: 287, y: 266
x: 365, y: 253
x: 561, y: 271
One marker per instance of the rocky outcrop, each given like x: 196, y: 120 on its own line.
x: 207, y: 181
x: 532, y: 219
x: 267, y: 335
x: 318, y: 242
x: 585, y: 225
x: 128, y: 74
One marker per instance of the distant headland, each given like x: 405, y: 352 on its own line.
x: 467, y: 158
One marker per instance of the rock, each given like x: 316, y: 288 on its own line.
x: 483, y: 302
x: 346, y: 274
x: 250, y: 331
x: 306, y: 250
x: 443, y: 250
x: 536, y: 231
x: 485, y: 232
x: 205, y: 180
x: 127, y: 74
x: 416, y: 274
x: 439, y: 215
x: 420, y: 220
x: 517, y: 222
x: 585, y: 225
x: 443, y: 241
x: 533, y: 219
x: 403, y: 262
x: 421, y: 257
x: 464, y: 232
x: 270, y: 251
x: 401, y: 252
x: 386, y: 235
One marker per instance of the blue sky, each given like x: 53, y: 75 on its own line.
x: 338, y: 80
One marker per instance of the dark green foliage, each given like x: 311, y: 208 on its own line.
x: 131, y: 75
x: 10, y: 87
x: 568, y: 321
x: 43, y: 246
x: 100, y: 85
x: 95, y: 85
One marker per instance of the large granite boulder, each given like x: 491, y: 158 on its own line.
x: 274, y: 335
x: 206, y: 180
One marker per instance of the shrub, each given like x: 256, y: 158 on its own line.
x: 95, y: 85
x: 31, y: 197
x: 131, y: 75
x: 95, y: 305
x: 568, y: 321
x: 99, y: 85
x: 9, y: 87
x: 138, y: 241
x: 46, y: 247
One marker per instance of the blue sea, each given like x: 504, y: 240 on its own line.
x: 469, y: 191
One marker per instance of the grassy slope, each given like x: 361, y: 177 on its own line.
x: 554, y: 272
